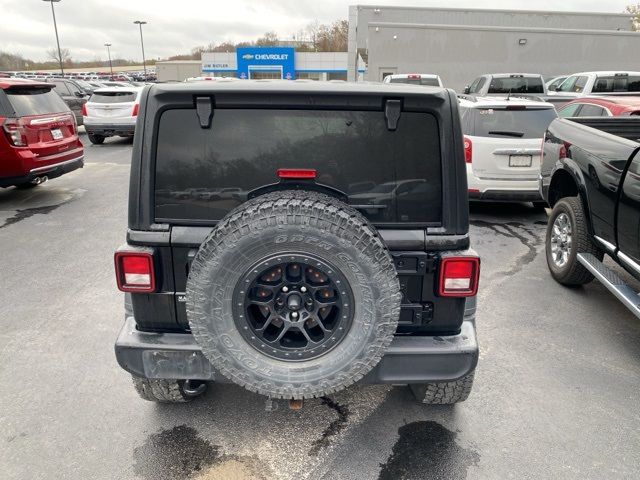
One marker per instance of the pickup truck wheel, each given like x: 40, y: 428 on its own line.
x: 293, y: 295
x: 444, y: 393
x: 168, y: 391
x: 96, y: 139
x: 567, y: 235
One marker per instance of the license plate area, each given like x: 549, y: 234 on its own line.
x: 519, y: 160
x: 56, y: 134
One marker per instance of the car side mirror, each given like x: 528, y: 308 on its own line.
x: 79, y: 94
x: 467, y: 90
x: 554, y: 88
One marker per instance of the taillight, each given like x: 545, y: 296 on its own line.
x: 135, y: 110
x: 468, y: 149
x: 135, y: 272
x: 299, y: 173
x: 459, y: 276
x: 414, y: 76
x: 84, y: 109
x: 15, y: 133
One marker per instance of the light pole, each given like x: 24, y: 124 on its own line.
x: 109, y: 53
x: 144, y: 63
x: 55, y: 26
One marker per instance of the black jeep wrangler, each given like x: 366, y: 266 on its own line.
x: 298, y: 237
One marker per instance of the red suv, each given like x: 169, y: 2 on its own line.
x: 38, y: 134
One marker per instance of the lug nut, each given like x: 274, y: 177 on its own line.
x: 285, y: 289
x: 303, y: 289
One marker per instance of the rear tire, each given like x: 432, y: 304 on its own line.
x: 444, y: 393
x: 96, y: 139
x: 562, y: 251
x: 167, y: 391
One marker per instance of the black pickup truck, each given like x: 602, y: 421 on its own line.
x: 590, y: 175
x: 296, y: 238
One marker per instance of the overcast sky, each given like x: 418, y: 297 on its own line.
x: 177, y: 26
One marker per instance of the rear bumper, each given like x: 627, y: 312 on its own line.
x: 50, y: 171
x: 506, y: 196
x: 108, y: 130
x: 409, y: 359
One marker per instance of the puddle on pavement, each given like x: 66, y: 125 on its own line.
x: 28, y: 212
x: 10, y: 204
x: 181, y: 453
x: 335, y: 427
x: 427, y: 450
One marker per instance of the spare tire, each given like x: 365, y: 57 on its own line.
x: 293, y: 295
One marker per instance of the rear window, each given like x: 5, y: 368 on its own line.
x: 113, y: 97
x: 431, y: 82
x: 352, y: 151
x: 617, y: 83
x: 503, y: 123
x: 35, y: 101
x: 516, y: 85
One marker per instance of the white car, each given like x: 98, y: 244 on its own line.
x: 502, y: 146
x: 589, y: 83
x: 111, y: 111
x: 425, y: 79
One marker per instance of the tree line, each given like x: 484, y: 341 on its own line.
x: 316, y: 37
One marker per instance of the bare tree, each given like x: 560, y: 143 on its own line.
x: 52, y: 53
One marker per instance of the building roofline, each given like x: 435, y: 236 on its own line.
x: 438, y: 26
x: 496, y: 10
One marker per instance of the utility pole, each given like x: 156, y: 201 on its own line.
x: 144, y: 63
x: 55, y: 26
x: 109, y: 53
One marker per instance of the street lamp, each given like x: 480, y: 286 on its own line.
x: 144, y: 63
x: 109, y: 53
x: 55, y: 26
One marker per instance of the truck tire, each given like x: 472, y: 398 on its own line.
x: 567, y: 235
x: 293, y: 295
x: 444, y: 393
x: 95, y: 138
x: 167, y: 391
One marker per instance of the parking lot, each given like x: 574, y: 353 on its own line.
x: 556, y: 390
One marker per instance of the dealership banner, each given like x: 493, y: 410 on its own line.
x: 266, y: 59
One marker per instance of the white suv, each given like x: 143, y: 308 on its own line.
x: 502, y: 146
x: 111, y: 111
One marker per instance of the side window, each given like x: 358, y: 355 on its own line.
x: 61, y: 88
x: 474, y: 86
x: 567, y: 85
x: 569, y: 110
x: 73, y: 89
x: 481, y: 84
x: 578, y: 87
x: 592, y: 111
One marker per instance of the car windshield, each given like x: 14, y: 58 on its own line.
x: 35, y: 101
x: 516, y: 85
x: 503, y: 123
x: 428, y: 81
x: 113, y: 97
x: 617, y: 83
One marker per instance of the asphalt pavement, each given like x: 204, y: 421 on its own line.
x: 556, y: 394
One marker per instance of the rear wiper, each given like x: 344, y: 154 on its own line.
x: 506, y: 133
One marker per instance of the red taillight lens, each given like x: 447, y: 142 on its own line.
x: 468, y: 149
x: 14, y: 132
x: 459, y: 276
x: 414, y: 76
x: 135, y: 110
x: 84, y: 109
x: 135, y: 272
x: 299, y: 173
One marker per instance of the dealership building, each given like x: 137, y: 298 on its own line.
x: 262, y: 62
x: 461, y: 44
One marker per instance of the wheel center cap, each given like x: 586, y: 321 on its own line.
x: 294, y: 302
